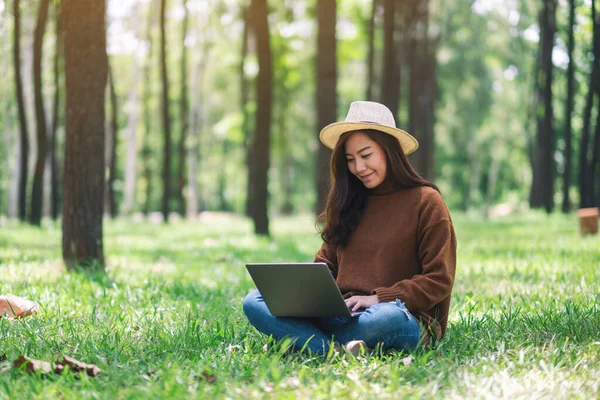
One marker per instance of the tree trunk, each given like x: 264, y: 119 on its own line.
x: 585, y: 184
x: 114, y: 141
x: 56, y: 115
x: 390, y: 82
x: 131, y: 157
x: 423, y: 88
x: 166, y: 119
x: 184, y: 111
x: 566, y: 204
x: 261, y: 142
x: 542, y: 189
x: 196, y: 126
x: 244, y: 97
x: 594, y: 169
x: 37, y: 193
x: 326, y: 96
x: 24, y: 137
x: 371, y: 54
x: 146, y: 151
x: 86, y: 70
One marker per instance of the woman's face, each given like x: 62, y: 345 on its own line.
x: 365, y: 159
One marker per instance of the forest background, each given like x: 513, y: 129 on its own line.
x: 216, y: 105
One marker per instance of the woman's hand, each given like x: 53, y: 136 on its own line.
x: 356, y: 303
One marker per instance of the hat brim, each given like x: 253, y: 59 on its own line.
x: 330, y: 135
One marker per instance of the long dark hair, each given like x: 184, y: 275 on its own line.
x: 348, y: 196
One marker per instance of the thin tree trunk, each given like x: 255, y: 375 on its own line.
x: 24, y: 136
x: 131, y: 157
x: 326, y: 100
x: 196, y: 126
x: 146, y: 151
x: 390, y: 83
x: 261, y: 143
x: 184, y: 111
x: 37, y: 193
x: 54, y: 168
x: 371, y: 54
x: 492, y: 179
x: 542, y: 189
x: 585, y: 186
x: 86, y: 70
x: 114, y: 142
x: 166, y: 119
x: 422, y: 88
x: 566, y: 204
x: 595, y: 161
x: 286, y: 157
x: 244, y: 97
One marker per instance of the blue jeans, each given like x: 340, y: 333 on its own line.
x: 388, y: 324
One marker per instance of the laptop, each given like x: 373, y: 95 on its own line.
x: 299, y: 290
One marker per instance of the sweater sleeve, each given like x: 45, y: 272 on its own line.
x: 328, y: 254
x: 436, y: 249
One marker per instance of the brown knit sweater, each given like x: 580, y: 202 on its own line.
x: 404, y: 247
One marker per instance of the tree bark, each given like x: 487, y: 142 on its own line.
x: 566, y: 203
x: 184, y: 111
x: 37, y: 193
x: 131, y: 155
x: 423, y: 88
x: 244, y: 98
x: 371, y: 54
x: 542, y: 188
x: 166, y: 119
x: 114, y: 142
x: 594, y: 168
x: 261, y: 143
x: 146, y: 151
x: 24, y: 136
x: 585, y: 184
x: 390, y: 82
x: 326, y: 96
x: 86, y: 70
x: 56, y: 115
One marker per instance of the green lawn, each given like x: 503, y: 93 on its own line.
x: 166, y: 321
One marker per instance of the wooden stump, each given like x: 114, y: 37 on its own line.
x: 588, y: 220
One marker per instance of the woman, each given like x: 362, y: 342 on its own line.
x: 388, y: 240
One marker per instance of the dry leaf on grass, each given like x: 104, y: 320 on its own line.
x: 206, y: 377
x: 13, y: 306
x: 77, y: 366
x: 33, y: 366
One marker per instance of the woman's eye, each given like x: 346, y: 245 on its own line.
x: 349, y: 160
x: 367, y: 155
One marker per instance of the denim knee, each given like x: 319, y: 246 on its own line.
x: 393, y: 313
x: 250, y: 303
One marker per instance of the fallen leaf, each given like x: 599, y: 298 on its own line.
x: 13, y: 306
x: 77, y: 366
x: 408, y: 360
x: 206, y: 377
x: 33, y: 366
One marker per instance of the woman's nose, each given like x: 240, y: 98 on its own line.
x: 360, y: 166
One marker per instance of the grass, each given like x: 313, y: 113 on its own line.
x: 166, y: 320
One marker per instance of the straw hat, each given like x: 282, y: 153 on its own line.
x: 368, y: 115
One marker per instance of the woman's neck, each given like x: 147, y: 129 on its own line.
x: 385, y: 187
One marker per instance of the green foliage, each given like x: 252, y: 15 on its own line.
x: 486, y: 69
x: 167, y: 316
